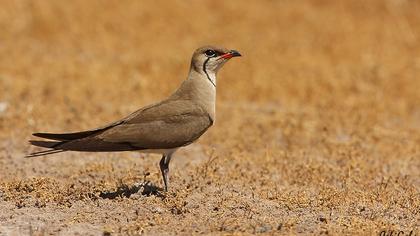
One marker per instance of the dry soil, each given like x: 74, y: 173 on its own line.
x: 317, y: 130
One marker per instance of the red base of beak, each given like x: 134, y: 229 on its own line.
x: 229, y: 55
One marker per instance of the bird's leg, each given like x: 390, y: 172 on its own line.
x: 164, y: 168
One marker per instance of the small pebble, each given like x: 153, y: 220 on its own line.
x: 3, y: 107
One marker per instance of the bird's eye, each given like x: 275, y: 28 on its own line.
x: 210, y: 53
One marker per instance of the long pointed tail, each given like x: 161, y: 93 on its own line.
x: 43, y: 153
x: 46, y: 144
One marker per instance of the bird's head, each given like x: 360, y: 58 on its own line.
x: 209, y: 59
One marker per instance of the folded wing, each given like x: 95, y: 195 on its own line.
x: 165, y: 125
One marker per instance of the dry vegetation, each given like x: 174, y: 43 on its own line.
x: 317, y: 131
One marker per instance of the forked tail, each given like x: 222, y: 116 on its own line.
x: 46, y: 144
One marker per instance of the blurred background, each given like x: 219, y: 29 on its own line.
x: 325, y: 99
x: 65, y: 61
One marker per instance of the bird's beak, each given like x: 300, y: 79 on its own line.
x: 230, y: 54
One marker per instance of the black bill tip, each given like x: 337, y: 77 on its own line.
x: 235, y: 53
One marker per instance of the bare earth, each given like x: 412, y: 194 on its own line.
x: 317, y: 130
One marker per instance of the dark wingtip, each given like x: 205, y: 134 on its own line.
x: 52, y: 136
x: 40, y: 135
x: 45, y: 144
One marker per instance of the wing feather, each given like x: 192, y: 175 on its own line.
x: 168, y: 124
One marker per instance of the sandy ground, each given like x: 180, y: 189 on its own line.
x: 317, y: 130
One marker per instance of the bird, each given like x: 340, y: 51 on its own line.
x: 162, y: 127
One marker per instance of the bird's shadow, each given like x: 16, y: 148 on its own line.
x: 144, y: 188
